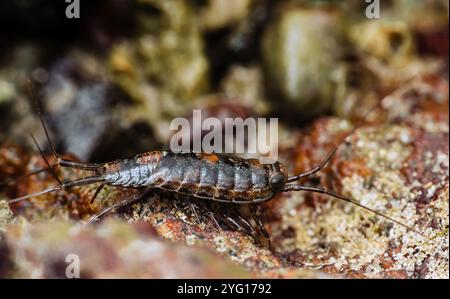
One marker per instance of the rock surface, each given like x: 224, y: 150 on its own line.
x: 396, y: 166
x: 111, y: 88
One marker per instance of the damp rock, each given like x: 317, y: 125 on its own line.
x: 300, y: 49
x: 388, y: 49
x: 239, y: 254
x: 162, y: 68
x: 311, y: 234
x: 431, y: 32
x: 434, y: 10
x: 83, y: 107
x: 7, y: 91
x: 221, y: 13
x: 76, y: 102
x: 246, y: 86
x: 238, y: 41
x: 389, y: 41
x: 167, y: 52
x: 172, y: 58
x: 387, y: 166
x: 113, y: 249
x: 84, y: 118
x: 245, y: 38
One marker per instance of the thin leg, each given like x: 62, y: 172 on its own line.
x: 184, y: 204
x: 235, y: 221
x: 229, y: 220
x: 232, y: 223
x: 260, y: 225
x: 211, y: 215
x: 118, y: 205
x: 97, y: 191
x: 248, y: 225
x: 45, y: 159
x: 249, y: 229
x: 174, y: 204
x: 194, y: 208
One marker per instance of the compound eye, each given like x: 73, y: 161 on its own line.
x: 277, y: 181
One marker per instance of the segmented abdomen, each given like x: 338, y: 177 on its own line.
x: 204, y: 175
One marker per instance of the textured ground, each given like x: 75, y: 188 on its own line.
x: 397, y: 163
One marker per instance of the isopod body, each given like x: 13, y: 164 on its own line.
x: 218, y: 177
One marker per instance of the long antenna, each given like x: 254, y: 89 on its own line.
x: 50, y: 168
x: 324, y: 191
x: 333, y: 150
x: 41, y: 118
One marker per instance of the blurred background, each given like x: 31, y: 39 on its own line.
x: 110, y: 82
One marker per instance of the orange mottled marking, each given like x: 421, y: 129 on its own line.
x: 112, y: 167
x: 149, y: 158
x: 254, y: 163
x: 213, y: 158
